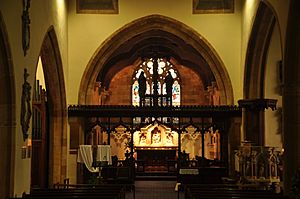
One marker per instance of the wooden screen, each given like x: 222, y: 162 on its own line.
x: 39, y: 160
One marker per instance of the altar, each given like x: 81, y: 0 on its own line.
x: 156, y: 149
x: 156, y: 160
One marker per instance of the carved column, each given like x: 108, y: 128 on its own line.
x: 253, y: 119
x: 291, y: 96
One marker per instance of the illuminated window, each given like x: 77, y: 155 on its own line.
x: 164, y: 67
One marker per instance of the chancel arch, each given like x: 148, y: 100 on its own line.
x: 167, y: 36
x: 7, y: 116
x: 155, y: 134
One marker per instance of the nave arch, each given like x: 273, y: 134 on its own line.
x: 257, y: 69
x: 56, y: 96
x: 257, y: 51
x: 7, y: 116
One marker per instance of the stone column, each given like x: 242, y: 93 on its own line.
x: 234, y: 140
x: 291, y: 96
x: 76, y: 136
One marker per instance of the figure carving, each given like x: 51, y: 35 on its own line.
x: 169, y: 86
x: 143, y: 138
x: 156, y: 136
x: 25, y: 106
x: 142, y: 87
x: 169, y: 138
x: 215, y: 94
x: 104, y: 95
x: 96, y: 94
x: 25, y: 26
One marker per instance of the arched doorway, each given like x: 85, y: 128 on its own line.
x: 57, y: 115
x: 7, y: 116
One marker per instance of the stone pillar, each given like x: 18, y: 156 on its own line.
x: 234, y: 140
x: 76, y: 136
x: 179, y: 149
x: 253, y: 119
x: 291, y: 96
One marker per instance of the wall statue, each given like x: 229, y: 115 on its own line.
x: 155, y: 136
x: 25, y: 106
x: 25, y: 26
x: 213, y: 94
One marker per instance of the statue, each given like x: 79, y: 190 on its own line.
x: 25, y: 106
x: 169, y: 86
x: 25, y: 26
x: 142, y: 87
x: 96, y: 94
x: 215, y: 95
x: 103, y: 95
x: 156, y: 137
x: 169, y: 83
x: 261, y: 173
x: 169, y: 138
x: 143, y: 138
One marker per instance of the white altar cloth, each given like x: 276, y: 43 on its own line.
x: 85, y: 155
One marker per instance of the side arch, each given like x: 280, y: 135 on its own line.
x: 146, y: 24
x: 56, y: 96
x: 7, y: 116
x: 257, y: 56
x: 258, y: 46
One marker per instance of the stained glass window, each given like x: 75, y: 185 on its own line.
x: 164, y: 67
x: 135, y: 93
x: 176, y: 94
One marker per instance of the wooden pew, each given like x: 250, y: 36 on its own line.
x: 63, y: 191
x: 225, y: 192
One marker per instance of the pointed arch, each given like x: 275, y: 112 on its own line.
x: 56, y: 96
x: 257, y: 51
x: 265, y: 21
x: 146, y: 24
x: 7, y: 116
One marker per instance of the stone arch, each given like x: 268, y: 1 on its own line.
x: 257, y: 50
x: 7, y: 116
x: 142, y: 25
x: 263, y: 28
x: 56, y: 96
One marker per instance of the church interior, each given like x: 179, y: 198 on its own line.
x: 103, y: 93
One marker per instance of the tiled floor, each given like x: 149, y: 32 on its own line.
x: 155, y: 190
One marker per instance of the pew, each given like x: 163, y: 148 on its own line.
x: 224, y: 191
x: 82, y: 191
